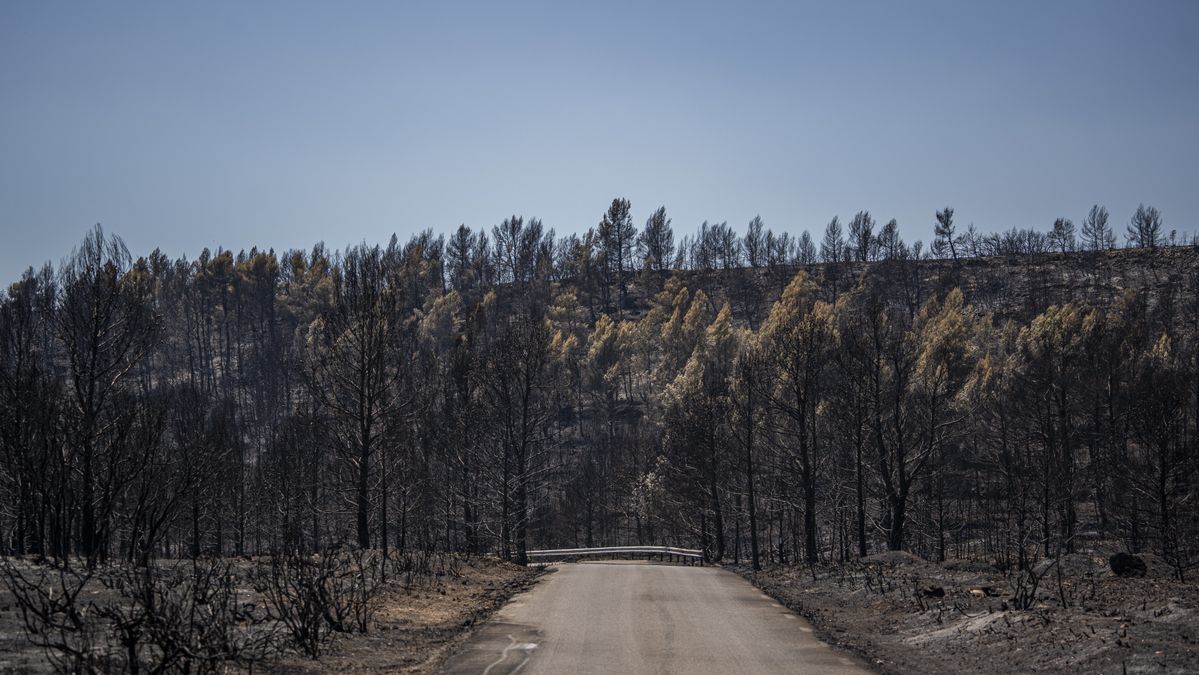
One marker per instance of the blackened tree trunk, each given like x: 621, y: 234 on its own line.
x: 106, y: 326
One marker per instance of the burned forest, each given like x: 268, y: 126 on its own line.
x: 307, y: 423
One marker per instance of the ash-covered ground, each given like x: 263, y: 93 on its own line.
x: 907, y: 615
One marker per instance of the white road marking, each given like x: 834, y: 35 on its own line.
x: 526, y: 647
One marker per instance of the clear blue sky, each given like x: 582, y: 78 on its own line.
x: 278, y: 124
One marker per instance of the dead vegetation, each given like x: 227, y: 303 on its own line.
x: 188, y: 616
x: 905, y: 614
x: 290, y: 611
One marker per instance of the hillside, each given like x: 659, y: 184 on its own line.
x: 1009, y: 287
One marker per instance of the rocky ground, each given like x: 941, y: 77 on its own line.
x: 417, y: 625
x: 907, y: 615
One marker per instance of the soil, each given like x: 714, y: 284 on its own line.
x: 416, y: 628
x: 903, y: 614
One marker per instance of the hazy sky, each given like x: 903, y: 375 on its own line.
x: 278, y: 124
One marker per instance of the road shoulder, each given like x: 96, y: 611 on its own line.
x: 419, y: 629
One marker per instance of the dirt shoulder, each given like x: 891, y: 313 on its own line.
x: 902, y: 614
x: 417, y: 629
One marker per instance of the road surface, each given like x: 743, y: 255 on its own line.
x: 645, y: 618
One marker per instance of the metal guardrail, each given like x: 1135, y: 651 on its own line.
x: 688, y: 555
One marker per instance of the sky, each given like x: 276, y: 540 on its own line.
x: 182, y: 126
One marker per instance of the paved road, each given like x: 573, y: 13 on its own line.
x: 645, y: 618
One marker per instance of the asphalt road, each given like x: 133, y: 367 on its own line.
x: 645, y: 618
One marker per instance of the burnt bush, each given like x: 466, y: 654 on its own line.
x: 416, y: 568
x: 57, y: 617
x: 193, y: 617
x: 317, y: 596
x: 190, y: 617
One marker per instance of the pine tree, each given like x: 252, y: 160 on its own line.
x: 1062, y: 235
x: 1145, y: 229
x: 1097, y: 235
x: 832, y: 247
x: 618, y: 236
x: 862, y: 241
x: 945, y: 237
x: 656, y: 241
x: 798, y: 336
